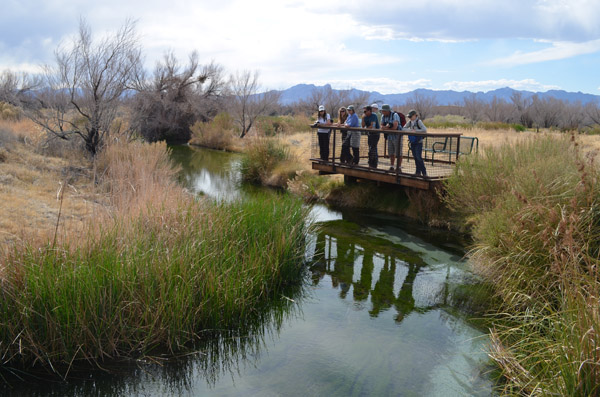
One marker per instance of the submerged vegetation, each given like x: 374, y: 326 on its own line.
x: 534, y: 207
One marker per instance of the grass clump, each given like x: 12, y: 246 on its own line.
x: 219, y: 134
x: 534, y: 207
x: 268, y: 161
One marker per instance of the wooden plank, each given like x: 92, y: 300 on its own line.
x: 372, y: 175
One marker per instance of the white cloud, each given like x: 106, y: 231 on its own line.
x: 489, y: 85
x: 382, y: 85
x: 558, y: 50
x: 459, y: 20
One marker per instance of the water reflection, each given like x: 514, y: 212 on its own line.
x: 379, y: 274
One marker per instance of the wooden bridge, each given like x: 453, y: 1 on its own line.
x: 440, y: 153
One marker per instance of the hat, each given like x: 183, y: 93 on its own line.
x: 412, y: 113
x: 375, y: 106
x: 386, y: 108
x: 350, y: 107
x: 321, y: 108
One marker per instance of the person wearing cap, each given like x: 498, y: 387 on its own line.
x: 352, y: 121
x: 370, y: 120
x: 323, y: 133
x: 376, y: 112
x: 391, y: 121
x: 416, y: 142
x: 345, y: 156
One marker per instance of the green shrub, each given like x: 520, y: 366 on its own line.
x: 518, y: 127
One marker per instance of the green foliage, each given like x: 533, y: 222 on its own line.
x: 156, y: 283
x: 534, y: 207
x: 518, y: 127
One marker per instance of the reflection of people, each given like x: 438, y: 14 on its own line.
x: 391, y: 121
x: 363, y: 286
x: 323, y: 133
x: 382, y: 295
x: 370, y: 121
x: 416, y: 142
x: 352, y: 121
x: 344, y: 265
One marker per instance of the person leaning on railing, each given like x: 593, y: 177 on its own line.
x: 352, y: 121
x: 345, y: 156
x: 391, y: 121
x: 323, y: 133
x: 416, y: 142
x: 370, y: 120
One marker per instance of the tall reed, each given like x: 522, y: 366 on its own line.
x: 534, y: 207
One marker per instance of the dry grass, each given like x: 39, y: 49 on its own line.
x: 29, y: 189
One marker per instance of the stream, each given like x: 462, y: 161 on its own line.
x: 384, y: 311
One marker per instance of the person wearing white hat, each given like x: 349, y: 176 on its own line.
x: 376, y: 112
x: 323, y: 133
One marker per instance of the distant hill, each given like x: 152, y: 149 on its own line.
x: 443, y: 97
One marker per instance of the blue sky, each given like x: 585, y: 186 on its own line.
x: 388, y: 46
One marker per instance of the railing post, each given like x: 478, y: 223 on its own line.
x: 398, y: 154
x: 457, y: 148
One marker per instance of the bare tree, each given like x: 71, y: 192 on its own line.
x: 473, y: 108
x: 592, y: 110
x: 499, y: 111
x: 84, y: 88
x: 16, y: 87
x: 547, y: 112
x: 523, y: 108
x: 175, y: 97
x: 246, y: 102
x: 423, y: 104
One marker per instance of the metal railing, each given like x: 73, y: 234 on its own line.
x: 350, y: 147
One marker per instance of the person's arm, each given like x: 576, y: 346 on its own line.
x: 328, y: 117
x: 363, y: 123
x: 420, y: 126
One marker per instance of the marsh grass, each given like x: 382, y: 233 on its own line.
x: 155, y: 281
x: 535, y: 213
x: 153, y: 269
x: 219, y: 134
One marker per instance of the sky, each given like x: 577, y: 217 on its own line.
x: 385, y: 46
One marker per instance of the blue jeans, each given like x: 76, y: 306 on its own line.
x: 417, y: 152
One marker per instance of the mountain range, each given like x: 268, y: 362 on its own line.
x: 443, y: 97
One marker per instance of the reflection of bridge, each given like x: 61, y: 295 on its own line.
x: 440, y: 152
x: 406, y: 284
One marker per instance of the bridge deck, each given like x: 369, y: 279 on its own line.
x: 440, y: 152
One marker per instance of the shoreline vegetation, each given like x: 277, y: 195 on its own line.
x: 148, y: 266
x: 534, y: 212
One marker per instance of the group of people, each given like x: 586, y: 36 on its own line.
x: 372, y: 119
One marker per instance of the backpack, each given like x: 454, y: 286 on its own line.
x: 402, y: 119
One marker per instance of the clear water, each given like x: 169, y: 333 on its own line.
x: 382, y: 312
